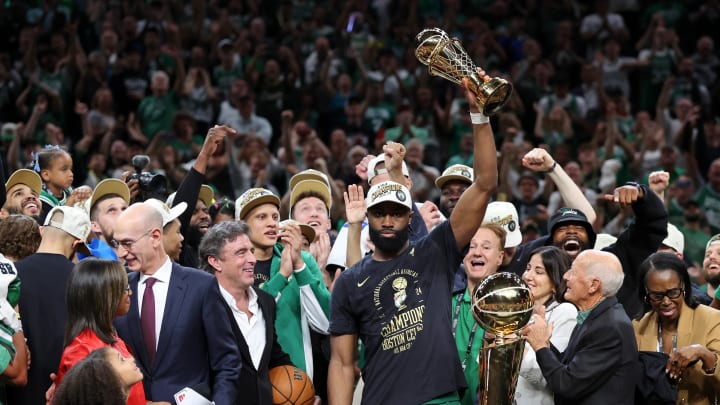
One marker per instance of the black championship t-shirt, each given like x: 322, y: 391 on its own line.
x: 399, y: 308
x: 262, y: 272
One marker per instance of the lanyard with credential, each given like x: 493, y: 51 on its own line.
x: 472, y: 331
x: 660, y: 340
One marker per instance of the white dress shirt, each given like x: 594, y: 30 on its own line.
x: 160, y: 291
x: 253, y: 329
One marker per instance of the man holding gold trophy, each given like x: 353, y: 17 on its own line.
x: 396, y: 299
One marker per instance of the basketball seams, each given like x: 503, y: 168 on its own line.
x: 283, y: 380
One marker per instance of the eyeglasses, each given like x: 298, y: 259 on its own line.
x: 127, y: 289
x: 658, y: 296
x: 128, y: 244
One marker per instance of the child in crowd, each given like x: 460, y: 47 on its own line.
x: 54, y: 165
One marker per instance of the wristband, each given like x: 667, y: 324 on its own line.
x: 554, y: 165
x: 479, y: 118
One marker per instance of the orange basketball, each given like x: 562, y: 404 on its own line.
x: 291, y: 386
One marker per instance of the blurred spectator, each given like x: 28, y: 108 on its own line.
x: 197, y: 94
x: 378, y: 112
x: 601, y: 25
x: 359, y: 130
x: 130, y: 84
x: 705, y: 61
x: 422, y: 176
x: 238, y: 112
x: 660, y: 59
x: 708, y: 196
x: 695, y: 232
x: 228, y: 70
x: 156, y: 112
x: 614, y: 66
x: 405, y: 130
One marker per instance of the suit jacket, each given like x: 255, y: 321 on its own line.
x: 695, y: 326
x: 196, y: 345
x: 600, y: 364
x: 254, y: 384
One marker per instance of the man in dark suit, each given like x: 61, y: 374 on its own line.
x: 227, y: 252
x: 600, y: 363
x: 176, y: 325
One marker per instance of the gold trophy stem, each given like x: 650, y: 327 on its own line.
x: 496, y: 387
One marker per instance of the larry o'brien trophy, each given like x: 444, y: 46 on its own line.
x: 502, y: 304
x: 445, y: 57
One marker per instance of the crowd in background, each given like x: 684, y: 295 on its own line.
x: 614, y: 90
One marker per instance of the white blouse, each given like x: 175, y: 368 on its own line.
x: 532, y: 387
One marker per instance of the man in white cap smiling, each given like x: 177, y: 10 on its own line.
x: 396, y: 299
x: 23, y: 191
x: 172, y: 238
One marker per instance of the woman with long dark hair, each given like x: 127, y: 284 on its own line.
x: 97, y: 292
x: 544, y: 275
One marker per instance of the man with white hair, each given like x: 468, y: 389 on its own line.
x: 599, y: 365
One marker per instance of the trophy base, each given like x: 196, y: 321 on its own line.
x: 493, y: 95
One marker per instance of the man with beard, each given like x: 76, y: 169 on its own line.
x: 287, y: 273
x: 23, y: 191
x: 425, y: 215
x: 711, y: 269
x: 452, y: 184
x: 195, y: 222
x: 395, y: 299
x: 110, y: 198
x: 571, y: 231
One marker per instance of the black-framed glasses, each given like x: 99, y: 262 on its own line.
x: 127, y: 289
x: 128, y: 243
x: 658, y: 296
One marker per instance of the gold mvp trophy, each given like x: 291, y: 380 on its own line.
x: 445, y: 57
x: 502, y: 304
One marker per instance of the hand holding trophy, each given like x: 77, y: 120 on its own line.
x: 445, y: 57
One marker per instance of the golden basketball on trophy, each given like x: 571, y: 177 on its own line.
x: 502, y: 304
x: 446, y: 57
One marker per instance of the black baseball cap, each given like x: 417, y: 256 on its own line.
x: 566, y: 216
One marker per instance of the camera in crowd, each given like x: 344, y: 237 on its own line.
x: 151, y: 185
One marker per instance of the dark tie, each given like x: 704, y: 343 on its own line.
x: 147, y: 318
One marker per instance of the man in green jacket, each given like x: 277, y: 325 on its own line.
x: 287, y: 273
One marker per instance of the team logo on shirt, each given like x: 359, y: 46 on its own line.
x: 399, y: 302
x: 400, y: 295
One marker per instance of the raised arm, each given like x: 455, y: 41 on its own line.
x: 470, y: 210
x: 539, y: 160
x: 355, y: 213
